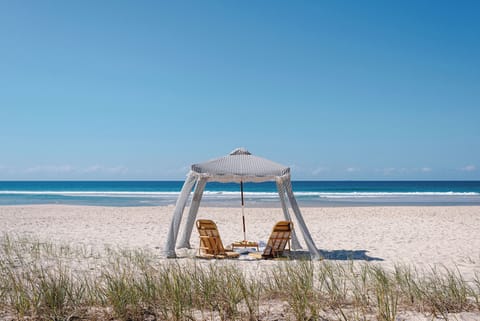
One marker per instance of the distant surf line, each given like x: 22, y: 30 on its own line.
x: 249, y: 194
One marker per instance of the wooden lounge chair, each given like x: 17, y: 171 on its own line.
x: 279, y: 241
x: 211, y: 245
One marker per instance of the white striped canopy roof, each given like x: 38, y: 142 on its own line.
x: 241, y: 165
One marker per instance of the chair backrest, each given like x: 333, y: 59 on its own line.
x: 210, y: 241
x: 279, y: 239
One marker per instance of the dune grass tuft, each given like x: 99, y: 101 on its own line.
x: 47, y: 281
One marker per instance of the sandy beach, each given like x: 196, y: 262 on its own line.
x: 419, y: 236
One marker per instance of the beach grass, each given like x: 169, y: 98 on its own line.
x: 48, y: 281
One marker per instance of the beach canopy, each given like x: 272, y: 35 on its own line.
x: 239, y: 166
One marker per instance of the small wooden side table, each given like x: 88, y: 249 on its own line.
x: 245, y: 244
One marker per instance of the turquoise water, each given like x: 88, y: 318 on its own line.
x: 308, y: 193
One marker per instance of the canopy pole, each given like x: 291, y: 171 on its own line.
x: 243, y: 213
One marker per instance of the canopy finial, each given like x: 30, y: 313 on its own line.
x: 240, y: 151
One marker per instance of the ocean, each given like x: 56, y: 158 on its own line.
x: 307, y: 193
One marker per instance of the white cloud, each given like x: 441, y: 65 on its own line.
x: 92, y: 169
x: 117, y: 169
x: 469, y: 168
x: 51, y: 169
x: 393, y: 171
x: 105, y: 169
x: 69, y: 169
x: 180, y: 171
x: 352, y: 169
x: 388, y: 170
x: 319, y: 170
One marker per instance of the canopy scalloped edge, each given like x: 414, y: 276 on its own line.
x: 240, y: 178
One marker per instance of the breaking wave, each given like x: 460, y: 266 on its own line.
x: 261, y: 195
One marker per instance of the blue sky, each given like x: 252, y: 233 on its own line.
x: 334, y: 89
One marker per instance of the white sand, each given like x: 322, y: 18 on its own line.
x: 420, y: 236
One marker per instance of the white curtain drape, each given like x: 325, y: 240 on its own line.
x: 192, y: 213
x: 177, y: 215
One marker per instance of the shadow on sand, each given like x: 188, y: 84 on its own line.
x: 348, y: 255
x: 338, y: 255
